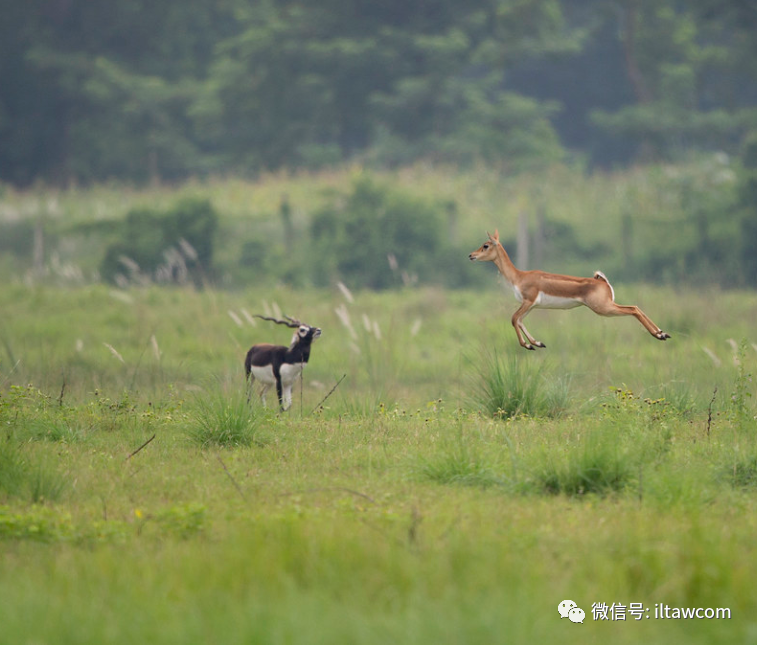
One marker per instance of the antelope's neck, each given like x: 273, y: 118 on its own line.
x: 506, y: 266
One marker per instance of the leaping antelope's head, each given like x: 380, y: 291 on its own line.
x: 488, y: 250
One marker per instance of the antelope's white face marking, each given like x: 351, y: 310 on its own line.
x: 303, y: 331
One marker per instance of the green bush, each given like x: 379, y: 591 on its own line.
x: 377, y: 237
x: 175, y: 246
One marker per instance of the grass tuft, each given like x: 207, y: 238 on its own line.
x: 216, y: 419
x: 37, y: 481
x: 512, y: 387
x: 596, y: 466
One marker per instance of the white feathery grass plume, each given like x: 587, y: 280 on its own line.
x: 235, y: 318
x: 367, y: 323
x: 392, y: 259
x: 735, y: 348
x: 355, y: 348
x: 79, y: 345
x: 344, y: 317
x: 345, y: 292
x: 115, y: 353
x: 376, y: 330
x: 129, y: 263
x: 416, y: 327
x: 188, y: 250
x: 266, y: 309
x: 277, y: 310
x: 248, y: 317
x: 155, y: 349
x: 712, y: 356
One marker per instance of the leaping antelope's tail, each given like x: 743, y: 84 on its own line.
x: 598, y: 275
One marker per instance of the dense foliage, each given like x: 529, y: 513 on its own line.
x: 142, y: 90
x: 176, y: 246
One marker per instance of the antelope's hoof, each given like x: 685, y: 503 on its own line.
x: 529, y: 346
x: 538, y: 343
x: 661, y: 335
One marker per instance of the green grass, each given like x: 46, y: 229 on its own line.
x: 402, y: 509
x: 222, y: 418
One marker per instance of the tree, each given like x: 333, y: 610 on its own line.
x: 680, y: 68
x: 321, y: 81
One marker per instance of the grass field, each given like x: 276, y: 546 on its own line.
x: 453, y: 488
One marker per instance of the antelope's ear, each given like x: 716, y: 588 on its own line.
x: 495, y: 237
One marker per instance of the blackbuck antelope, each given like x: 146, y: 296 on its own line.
x: 554, y: 291
x: 279, y: 365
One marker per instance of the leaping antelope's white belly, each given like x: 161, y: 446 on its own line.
x: 546, y: 301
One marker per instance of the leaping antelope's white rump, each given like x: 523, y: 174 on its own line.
x: 555, y: 291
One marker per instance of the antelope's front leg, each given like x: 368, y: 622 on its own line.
x: 529, y: 342
x: 287, y: 398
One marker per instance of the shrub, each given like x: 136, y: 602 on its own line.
x: 376, y: 238
x: 175, y: 246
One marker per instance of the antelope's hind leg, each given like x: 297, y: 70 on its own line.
x: 613, y: 309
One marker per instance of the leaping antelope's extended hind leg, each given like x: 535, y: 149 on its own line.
x: 608, y: 307
x: 633, y: 310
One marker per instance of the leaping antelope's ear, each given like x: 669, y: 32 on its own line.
x: 495, y: 237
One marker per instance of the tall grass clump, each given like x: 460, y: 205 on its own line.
x: 469, y: 461
x: 511, y: 387
x: 597, y: 465
x: 463, y: 466
x: 12, y: 469
x: 217, y: 419
x: 35, y: 481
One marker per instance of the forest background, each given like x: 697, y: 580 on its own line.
x: 538, y: 96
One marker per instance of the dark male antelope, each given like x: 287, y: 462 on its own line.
x: 279, y: 365
x: 555, y: 291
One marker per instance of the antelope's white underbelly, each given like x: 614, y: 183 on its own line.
x: 263, y: 374
x: 289, y: 373
x: 545, y: 301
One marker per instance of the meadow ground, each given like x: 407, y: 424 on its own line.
x: 453, y: 488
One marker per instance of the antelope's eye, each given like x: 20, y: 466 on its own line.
x: 486, y: 246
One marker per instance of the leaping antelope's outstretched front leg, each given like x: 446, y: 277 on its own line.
x: 520, y: 329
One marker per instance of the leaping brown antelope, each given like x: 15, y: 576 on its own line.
x: 555, y: 291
